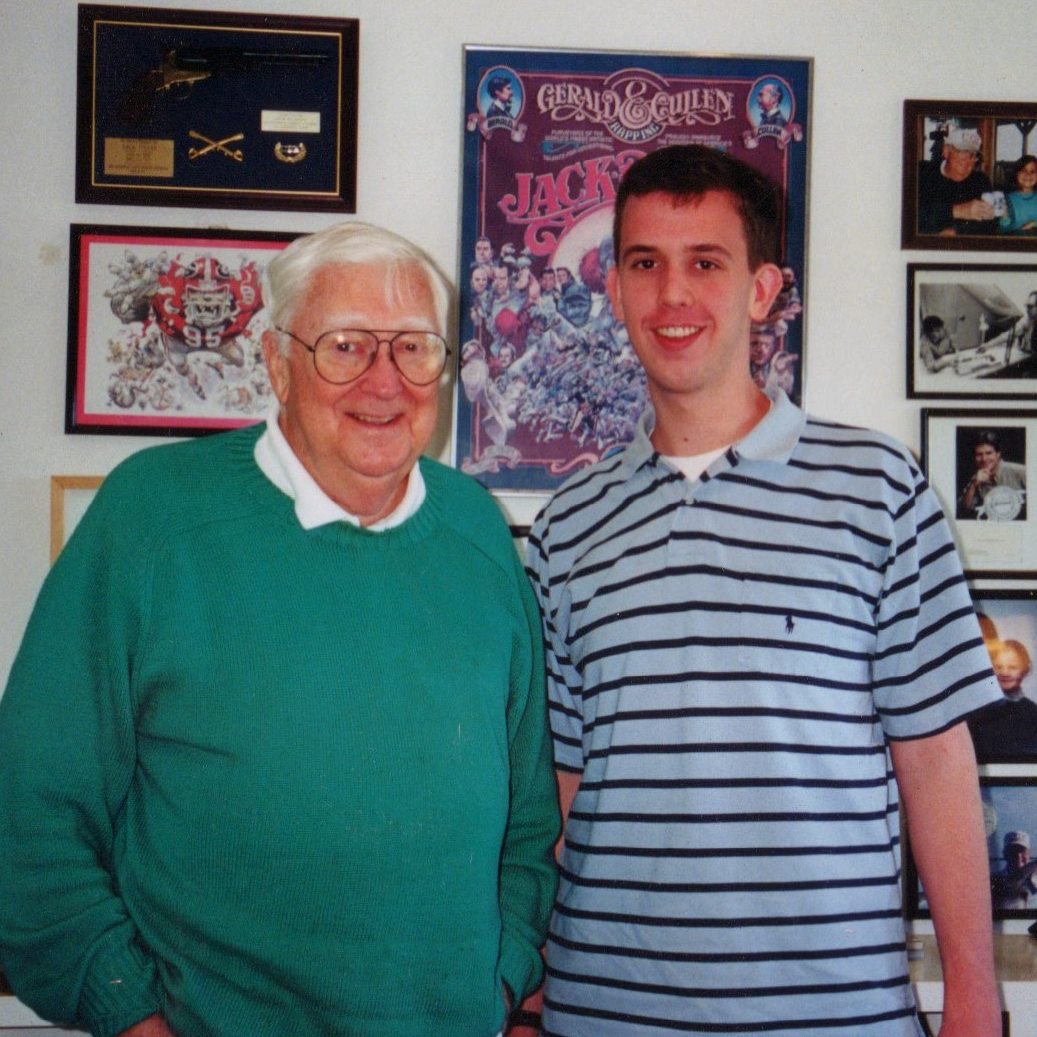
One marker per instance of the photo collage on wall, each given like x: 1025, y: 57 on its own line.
x: 970, y: 186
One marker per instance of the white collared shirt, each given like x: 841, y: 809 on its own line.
x: 313, y: 507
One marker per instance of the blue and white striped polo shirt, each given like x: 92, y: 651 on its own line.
x: 727, y: 659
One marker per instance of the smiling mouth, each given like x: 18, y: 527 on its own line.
x: 676, y: 331
x: 373, y: 419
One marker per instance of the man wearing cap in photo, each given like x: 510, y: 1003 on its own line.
x: 950, y: 191
x: 1013, y: 887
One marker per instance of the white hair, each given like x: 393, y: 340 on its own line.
x: 288, y: 274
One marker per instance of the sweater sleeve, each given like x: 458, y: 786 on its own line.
x: 67, y: 753
x: 528, y: 876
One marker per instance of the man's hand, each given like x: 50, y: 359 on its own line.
x: 153, y: 1026
x: 977, y: 209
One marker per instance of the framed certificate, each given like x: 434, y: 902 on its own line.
x: 198, y: 108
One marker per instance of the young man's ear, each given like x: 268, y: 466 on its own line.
x: 766, y: 285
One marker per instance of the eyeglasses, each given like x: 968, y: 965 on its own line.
x: 344, y: 355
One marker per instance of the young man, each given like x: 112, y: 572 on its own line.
x: 752, y: 617
x: 262, y: 771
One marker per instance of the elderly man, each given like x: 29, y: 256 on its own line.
x: 753, y: 619
x: 950, y: 192
x: 273, y: 755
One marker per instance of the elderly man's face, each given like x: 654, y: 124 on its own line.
x: 360, y: 440
x: 959, y: 164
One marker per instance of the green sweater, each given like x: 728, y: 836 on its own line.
x: 274, y: 782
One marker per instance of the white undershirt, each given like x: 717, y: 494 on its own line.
x: 313, y: 507
x: 696, y: 464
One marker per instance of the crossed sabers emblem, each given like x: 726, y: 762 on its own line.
x: 216, y: 145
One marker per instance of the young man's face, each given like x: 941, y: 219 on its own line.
x: 683, y: 287
x: 987, y: 457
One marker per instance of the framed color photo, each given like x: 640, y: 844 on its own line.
x: 971, y: 331
x: 549, y: 381
x: 970, y: 176
x: 199, y: 108
x: 1010, y: 815
x: 1006, y: 732
x: 981, y: 463
x: 164, y: 329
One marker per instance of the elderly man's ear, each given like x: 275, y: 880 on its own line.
x: 276, y: 364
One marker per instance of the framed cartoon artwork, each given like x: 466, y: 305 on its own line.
x: 164, y: 329
x: 218, y: 109
x: 970, y: 176
x: 981, y: 463
x: 548, y: 380
x: 971, y: 331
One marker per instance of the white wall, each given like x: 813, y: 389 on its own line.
x: 869, y: 56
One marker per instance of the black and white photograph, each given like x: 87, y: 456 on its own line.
x: 1006, y: 732
x: 970, y: 176
x: 980, y: 463
x: 971, y: 331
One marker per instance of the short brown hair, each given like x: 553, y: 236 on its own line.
x: 687, y: 172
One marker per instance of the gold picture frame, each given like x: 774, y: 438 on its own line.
x: 69, y: 497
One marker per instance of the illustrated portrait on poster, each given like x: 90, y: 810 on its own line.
x: 165, y: 328
x: 1006, y: 732
x: 981, y: 464
x: 971, y: 331
x: 549, y: 382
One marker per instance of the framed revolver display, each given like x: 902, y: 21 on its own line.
x: 213, y: 109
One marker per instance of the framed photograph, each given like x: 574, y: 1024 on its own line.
x: 970, y: 176
x: 201, y: 108
x: 164, y: 329
x: 971, y: 331
x: 1007, y: 731
x: 1010, y: 814
x: 70, y: 496
x: 980, y: 463
x: 548, y: 380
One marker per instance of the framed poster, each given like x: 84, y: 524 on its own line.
x: 1006, y: 732
x: 980, y: 463
x: 970, y: 176
x: 971, y: 331
x: 164, y: 329
x: 1010, y: 816
x: 549, y: 381
x: 202, y: 108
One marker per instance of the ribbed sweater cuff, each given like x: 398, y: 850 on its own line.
x: 521, y: 967
x: 120, y: 989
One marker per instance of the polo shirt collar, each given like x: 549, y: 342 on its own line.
x: 772, y: 438
x: 313, y: 507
